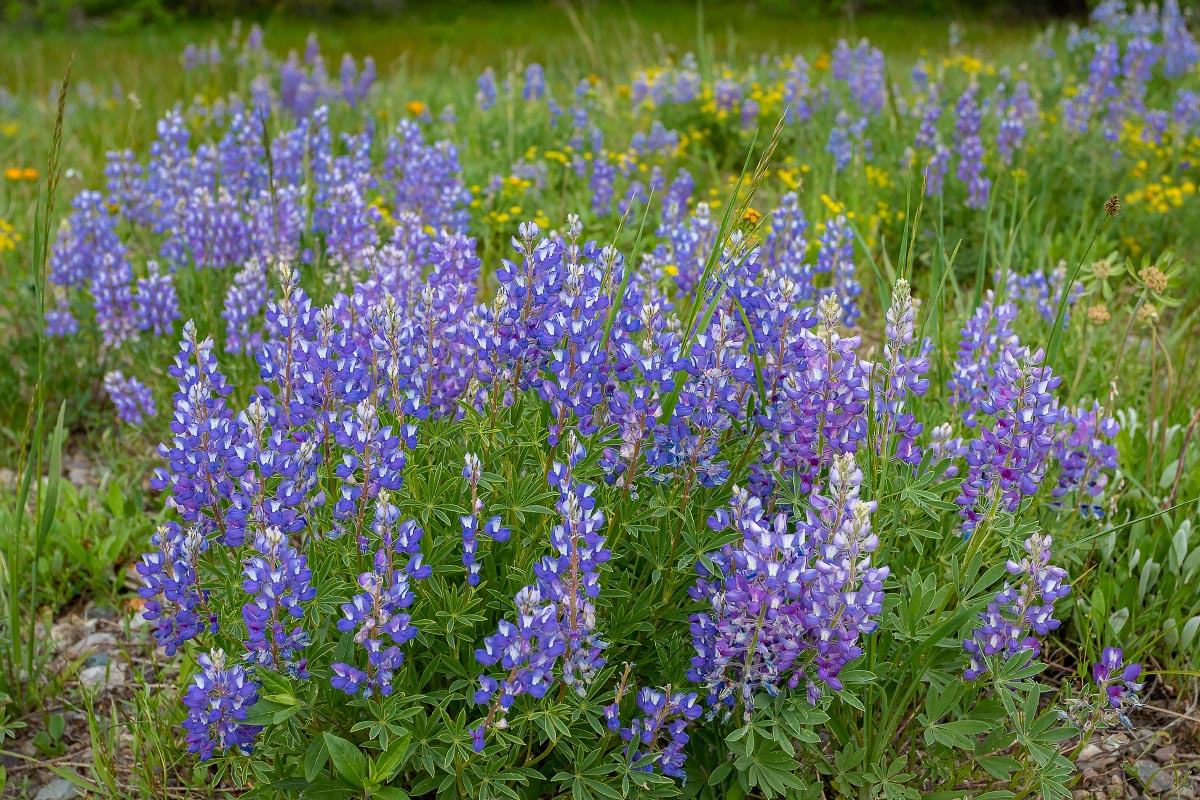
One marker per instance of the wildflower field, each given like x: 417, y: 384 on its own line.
x: 592, y: 404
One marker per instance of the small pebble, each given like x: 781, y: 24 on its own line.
x: 1165, y: 754
x: 104, y: 675
x: 1154, y: 778
x: 101, y: 613
x: 97, y: 660
x: 57, y: 789
x: 90, y: 643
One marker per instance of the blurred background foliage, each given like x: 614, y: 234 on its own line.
x: 135, y: 13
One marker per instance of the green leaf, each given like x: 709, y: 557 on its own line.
x: 719, y: 774
x: 348, y: 760
x: 263, y: 712
x: 955, y: 734
x: 392, y: 761
x: 325, y: 790
x: 315, y: 758
x: 390, y: 793
x: 999, y: 767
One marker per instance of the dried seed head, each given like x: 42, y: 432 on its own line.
x: 1102, y: 269
x: 1154, y: 278
x: 1112, y: 206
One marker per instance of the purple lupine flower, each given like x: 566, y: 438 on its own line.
x: 424, y: 178
x: 279, y: 581
x: 930, y: 111
x: 577, y: 368
x: 986, y: 339
x: 60, y: 321
x: 1181, y: 52
x: 1084, y: 451
x: 1100, y: 88
x: 202, y: 444
x: 900, y: 375
x: 472, y: 472
x: 788, y: 603
x: 1011, y: 456
x: 839, y: 145
x: 244, y: 302
x: 661, y: 730
x: 786, y: 247
x: 348, y: 76
x: 848, y: 140
x: 687, y: 80
x: 352, y: 233
x: 133, y: 399
x: 718, y: 369
x: 535, y: 83
x: 366, y: 80
x: 945, y: 445
x: 174, y: 601
x: 157, y: 304
x: 1011, y: 134
x: 486, y: 89
x: 970, y: 150
x: 379, y: 610
x: 1044, y: 290
x: 823, y: 399
x: 112, y: 289
x: 750, y: 114
x: 796, y: 90
x: 372, y: 461
x: 527, y: 650
x: 555, y: 617
x: 600, y: 184
x: 863, y: 71
x: 675, y: 200
x: 1010, y: 626
x: 727, y: 93
x: 835, y: 257
x: 936, y: 169
x: 218, y: 703
x: 1118, y: 682
x: 570, y: 577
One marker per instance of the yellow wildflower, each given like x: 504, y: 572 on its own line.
x: 8, y: 239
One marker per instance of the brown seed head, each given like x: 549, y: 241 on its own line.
x: 1154, y: 279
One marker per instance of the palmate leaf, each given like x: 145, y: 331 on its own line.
x: 587, y: 782
x: 349, y: 763
x: 769, y: 769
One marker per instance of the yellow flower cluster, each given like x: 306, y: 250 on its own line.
x: 1160, y: 197
x: 968, y: 64
x: 835, y: 206
x: 20, y: 174
x: 877, y: 177
x: 8, y: 239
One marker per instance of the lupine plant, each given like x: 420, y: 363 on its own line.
x: 640, y: 453
x: 664, y: 497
